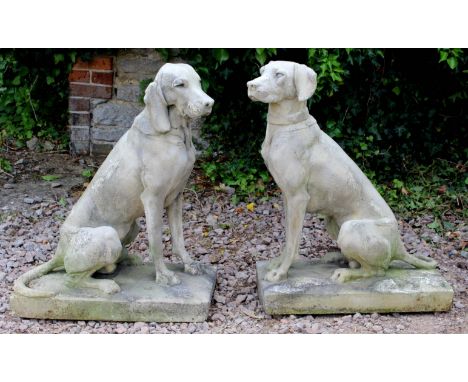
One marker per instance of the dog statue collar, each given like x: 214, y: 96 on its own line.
x: 290, y: 119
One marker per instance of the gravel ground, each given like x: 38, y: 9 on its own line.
x: 231, y: 237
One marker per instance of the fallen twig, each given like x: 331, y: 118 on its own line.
x: 6, y: 173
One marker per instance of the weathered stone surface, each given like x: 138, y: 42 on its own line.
x: 115, y: 113
x: 310, y: 290
x: 32, y: 143
x: 140, y: 298
x: 79, y: 141
x: 100, y: 147
x: 107, y: 133
x: 128, y: 92
x: 80, y: 133
x: 138, y: 64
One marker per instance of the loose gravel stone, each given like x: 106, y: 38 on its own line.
x: 215, y: 231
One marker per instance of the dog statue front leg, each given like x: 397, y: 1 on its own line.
x: 174, y: 213
x: 294, y: 219
x: 153, y: 206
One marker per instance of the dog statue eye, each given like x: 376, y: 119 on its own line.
x: 178, y: 84
x: 279, y: 75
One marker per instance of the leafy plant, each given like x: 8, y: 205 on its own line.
x: 5, y: 165
x: 50, y: 178
x: 88, y: 173
x: 34, y: 93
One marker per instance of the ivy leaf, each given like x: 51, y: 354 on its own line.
x: 49, y: 80
x: 434, y: 225
x: 396, y: 90
x: 443, y: 55
x: 58, y: 58
x: 260, y: 55
x: 452, y: 62
x: 16, y: 81
x: 221, y: 55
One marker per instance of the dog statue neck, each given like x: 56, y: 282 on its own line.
x: 287, y: 112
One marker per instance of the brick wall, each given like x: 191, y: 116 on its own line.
x: 89, y: 81
x: 105, y: 97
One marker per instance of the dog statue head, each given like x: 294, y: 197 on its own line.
x: 283, y: 80
x: 176, y: 85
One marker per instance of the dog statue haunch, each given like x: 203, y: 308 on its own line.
x: 144, y: 173
x: 315, y: 175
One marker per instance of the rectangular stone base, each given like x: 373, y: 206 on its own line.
x: 140, y: 298
x: 309, y: 290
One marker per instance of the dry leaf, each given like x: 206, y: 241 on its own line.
x: 251, y: 207
x: 442, y: 189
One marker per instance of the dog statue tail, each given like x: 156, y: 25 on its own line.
x: 417, y: 261
x: 22, y: 282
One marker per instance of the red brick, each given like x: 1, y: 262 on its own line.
x: 102, y: 78
x: 78, y: 104
x: 80, y: 64
x: 93, y: 91
x: 98, y: 63
x: 101, y: 63
x: 79, y: 76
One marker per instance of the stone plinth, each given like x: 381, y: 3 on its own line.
x: 309, y: 290
x: 140, y: 298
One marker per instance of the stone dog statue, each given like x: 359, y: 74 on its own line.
x: 144, y: 173
x: 316, y: 175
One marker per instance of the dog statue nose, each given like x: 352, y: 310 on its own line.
x: 209, y: 103
x: 251, y: 84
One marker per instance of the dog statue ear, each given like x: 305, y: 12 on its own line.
x: 157, y: 109
x: 305, y: 80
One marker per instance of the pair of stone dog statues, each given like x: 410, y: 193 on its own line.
x: 148, y: 168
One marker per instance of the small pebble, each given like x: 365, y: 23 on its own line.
x: 314, y: 329
x: 218, y: 317
x: 220, y: 299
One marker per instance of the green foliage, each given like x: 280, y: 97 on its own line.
x: 388, y: 108
x: 88, y: 173
x: 143, y: 85
x: 435, y: 189
x: 5, y: 165
x: 50, y: 178
x: 239, y: 174
x: 451, y: 57
x: 34, y: 93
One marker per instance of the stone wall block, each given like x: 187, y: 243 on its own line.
x: 115, y: 113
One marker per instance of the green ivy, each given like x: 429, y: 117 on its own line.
x: 34, y: 93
